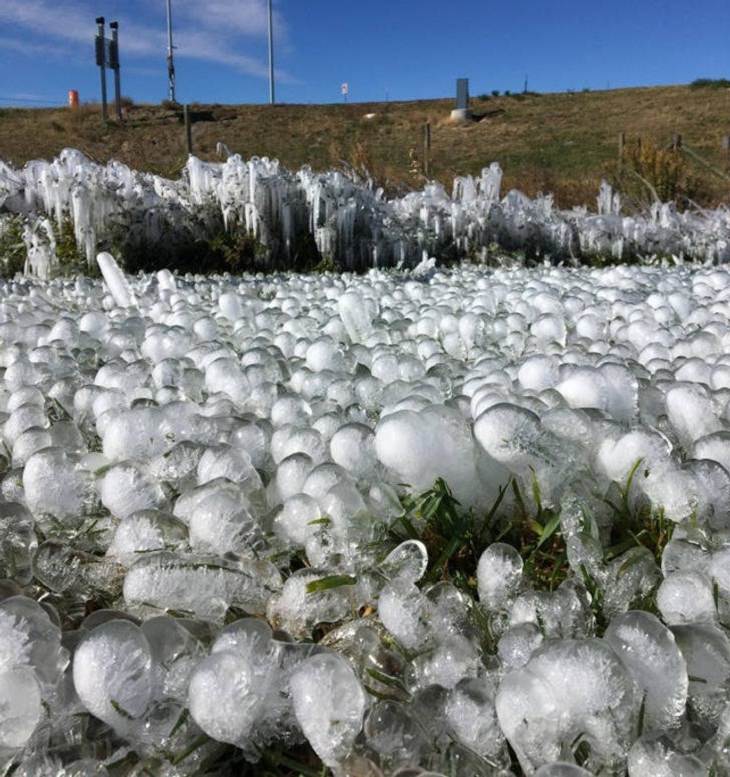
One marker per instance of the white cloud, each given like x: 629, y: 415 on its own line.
x: 43, y: 18
x: 30, y: 97
x: 73, y: 22
x: 246, y: 17
x: 208, y: 31
x: 201, y: 44
x: 31, y: 49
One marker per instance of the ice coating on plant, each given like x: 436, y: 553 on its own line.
x: 20, y: 705
x: 518, y: 643
x: 221, y: 523
x: 394, y: 734
x: 657, y: 756
x: 420, y: 447
x: 499, y: 574
x: 355, y: 315
x: 235, y: 693
x: 558, y: 769
x: 112, y: 673
x: 648, y: 650
x: 453, y: 658
x: 329, y: 704
x: 472, y: 717
x: 296, y: 520
x: 352, y: 447
x: 347, y: 218
x: 115, y: 280
x: 408, y: 561
x: 204, y: 587
x: 540, y: 714
x: 126, y: 489
x: 468, y: 483
x: 55, y: 484
x: 307, y: 599
x: 405, y: 612
x: 706, y: 651
x: 143, y: 532
x: 28, y: 637
x: 686, y: 597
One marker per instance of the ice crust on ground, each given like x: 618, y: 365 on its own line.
x: 215, y: 542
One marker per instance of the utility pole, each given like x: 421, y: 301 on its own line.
x: 101, y: 62
x: 170, y: 56
x: 272, y: 93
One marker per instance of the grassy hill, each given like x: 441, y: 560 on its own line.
x: 562, y: 143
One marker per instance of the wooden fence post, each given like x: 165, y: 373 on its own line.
x: 427, y: 149
x: 188, y: 128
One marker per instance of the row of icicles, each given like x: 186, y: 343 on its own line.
x: 352, y: 222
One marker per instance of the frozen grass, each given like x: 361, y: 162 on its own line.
x: 460, y: 522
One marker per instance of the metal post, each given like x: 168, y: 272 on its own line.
x: 427, y: 149
x: 272, y: 92
x: 188, y: 128
x: 101, y: 61
x: 114, y: 64
x: 170, y: 55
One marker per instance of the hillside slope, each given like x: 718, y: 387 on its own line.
x: 562, y: 143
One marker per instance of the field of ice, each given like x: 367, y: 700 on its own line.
x: 352, y: 222
x: 464, y: 522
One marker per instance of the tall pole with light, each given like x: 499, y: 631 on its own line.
x: 272, y: 92
x: 170, y: 56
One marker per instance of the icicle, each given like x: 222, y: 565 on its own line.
x: 115, y: 281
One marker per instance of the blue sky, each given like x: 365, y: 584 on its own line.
x: 396, y: 48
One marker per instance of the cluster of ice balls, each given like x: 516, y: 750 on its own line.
x: 202, y: 476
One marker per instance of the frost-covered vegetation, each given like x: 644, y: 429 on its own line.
x: 464, y: 522
x: 255, y: 215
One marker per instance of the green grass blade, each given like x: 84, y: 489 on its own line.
x: 330, y: 582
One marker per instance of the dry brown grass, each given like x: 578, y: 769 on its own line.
x: 562, y: 143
